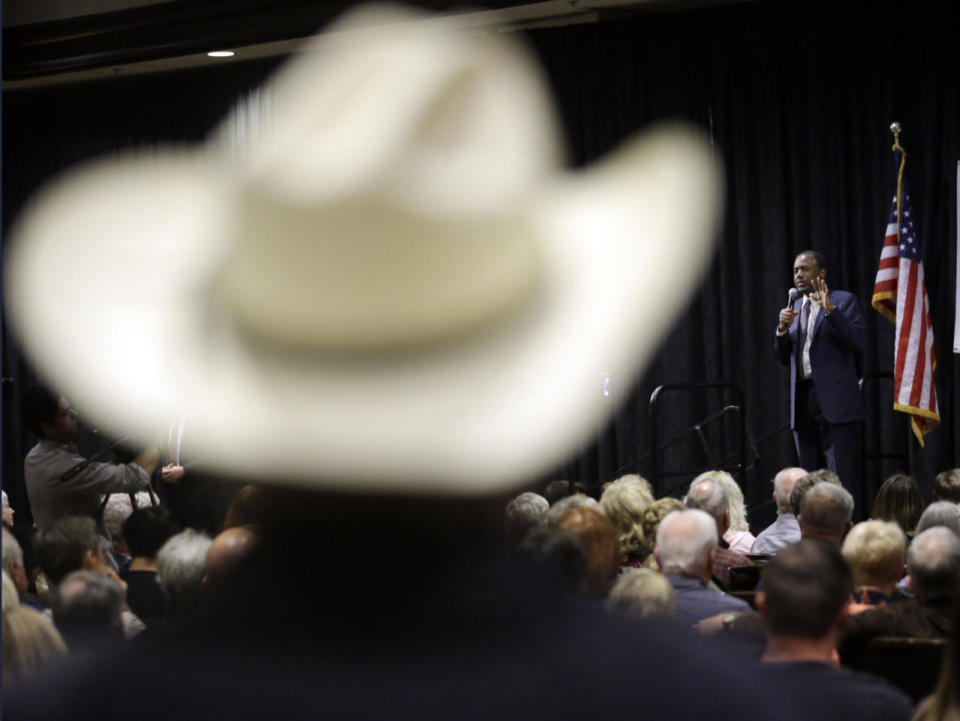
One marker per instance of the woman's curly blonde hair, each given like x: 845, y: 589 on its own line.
x: 624, y: 502
x: 650, y: 521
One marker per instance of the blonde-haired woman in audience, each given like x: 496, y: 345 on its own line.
x: 624, y: 502
x: 738, y: 536
x: 874, y: 550
x: 30, y: 641
x: 651, y: 522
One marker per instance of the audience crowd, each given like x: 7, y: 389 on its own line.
x: 812, y: 598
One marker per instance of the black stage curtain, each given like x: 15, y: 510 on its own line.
x: 797, y: 99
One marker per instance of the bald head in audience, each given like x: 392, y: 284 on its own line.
x: 228, y: 551
x: 686, y: 543
x: 826, y: 513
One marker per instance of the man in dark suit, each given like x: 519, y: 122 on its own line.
x: 820, y: 337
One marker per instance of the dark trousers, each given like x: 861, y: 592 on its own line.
x: 832, y: 445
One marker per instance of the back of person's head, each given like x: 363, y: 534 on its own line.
x: 805, y: 586
x: 735, y: 500
x: 940, y: 513
x: 228, y: 554
x: 652, y: 518
x: 524, y: 512
x: 87, y: 610
x: 624, y: 502
x: 246, y: 507
x: 826, y: 512
x: 39, y: 405
x: 560, y: 553
x: 147, y: 529
x: 710, y: 496
x: 783, y: 484
x: 898, y: 500
x: 875, y: 551
x: 63, y: 546
x: 568, y: 503
x: 12, y: 552
x: 685, y: 541
x: 30, y: 643
x: 602, y: 545
x: 558, y: 490
x: 805, y: 483
x: 642, y: 593
x: 181, y: 564
x: 946, y: 486
x: 933, y: 563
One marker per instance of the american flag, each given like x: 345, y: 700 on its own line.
x: 900, y: 294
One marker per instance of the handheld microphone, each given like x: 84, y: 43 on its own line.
x: 792, y: 296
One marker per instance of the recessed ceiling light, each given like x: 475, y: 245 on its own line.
x: 221, y: 54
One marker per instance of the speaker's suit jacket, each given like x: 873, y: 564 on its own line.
x: 837, y: 340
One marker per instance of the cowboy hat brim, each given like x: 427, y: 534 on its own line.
x: 106, y: 285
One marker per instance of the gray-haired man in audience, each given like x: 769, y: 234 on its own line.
x: 524, y: 512
x: 88, y: 612
x: 785, y: 530
x: 826, y: 512
x: 709, y: 496
x: 940, y: 513
x: 181, y: 564
x: 686, y: 549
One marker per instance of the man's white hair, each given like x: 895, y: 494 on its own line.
x: 708, y: 494
x: 933, y: 562
x: 181, y: 563
x: 685, y: 540
x: 783, y: 484
x: 735, y: 500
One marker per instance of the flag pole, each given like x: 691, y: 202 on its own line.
x: 895, y: 128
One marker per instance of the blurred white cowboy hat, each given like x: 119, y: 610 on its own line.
x: 393, y: 287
